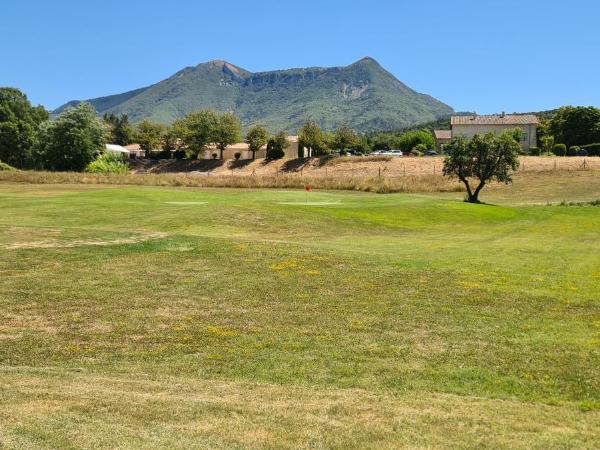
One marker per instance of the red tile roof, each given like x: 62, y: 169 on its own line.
x: 443, y: 134
x: 498, y: 119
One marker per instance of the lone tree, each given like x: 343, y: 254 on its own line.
x: 482, y: 159
x: 227, y: 131
x: 312, y: 137
x: 149, y: 135
x: 197, y: 129
x: 256, y: 138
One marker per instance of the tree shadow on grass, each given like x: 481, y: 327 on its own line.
x: 295, y: 165
x: 239, y: 163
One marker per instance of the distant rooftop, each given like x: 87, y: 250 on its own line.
x: 496, y: 119
x: 443, y: 134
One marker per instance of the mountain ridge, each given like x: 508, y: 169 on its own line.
x: 362, y: 94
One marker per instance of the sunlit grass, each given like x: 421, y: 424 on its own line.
x: 181, y: 317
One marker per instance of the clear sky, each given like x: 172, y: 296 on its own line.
x: 476, y: 55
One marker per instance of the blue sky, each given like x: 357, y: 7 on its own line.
x: 483, y: 56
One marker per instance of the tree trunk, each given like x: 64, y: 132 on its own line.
x: 253, y: 154
x: 474, y: 197
x: 469, y: 191
x: 221, y: 150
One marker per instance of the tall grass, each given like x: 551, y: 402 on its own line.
x: 354, y: 159
x: 423, y: 183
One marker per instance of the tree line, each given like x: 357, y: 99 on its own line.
x: 29, y: 140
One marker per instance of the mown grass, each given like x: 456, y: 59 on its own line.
x: 275, y: 318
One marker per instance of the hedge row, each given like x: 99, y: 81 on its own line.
x: 592, y: 149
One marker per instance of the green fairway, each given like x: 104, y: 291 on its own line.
x: 171, y: 317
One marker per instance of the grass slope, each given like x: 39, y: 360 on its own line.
x: 163, y: 317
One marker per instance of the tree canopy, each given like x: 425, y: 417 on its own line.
x: 19, y: 124
x: 344, y: 138
x: 197, y: 129
x: 256, y: 137
x: 149, y: 135
x: 227, y: 131
x: 483, y: 159
x: 120, y: 130
x: 575, y: 125
x: 313, y: 138
x: 72, y: 141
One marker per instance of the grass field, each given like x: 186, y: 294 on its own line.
x: 162, y: 317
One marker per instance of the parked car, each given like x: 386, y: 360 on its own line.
x: 391, y: 153
x: 431, y: 153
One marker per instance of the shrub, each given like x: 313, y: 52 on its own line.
x: 160, y: 154
x: 179, y: 154
x: 6, y: 168
x: 560, y: 149
x: 534, y: 151
x: 277, y: 144
x: 573, y: 150
x: 108, y: 163
x: 592, y: 149
x: 275, y: 153
x: 237, y: 155
x: 418, y: 149
x: 411, y: 139
x: 343, y: 152
x: 214, y: 156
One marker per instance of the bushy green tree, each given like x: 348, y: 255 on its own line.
x: 227, y: 131
x: 256, y: 138
x: 170, y: 139
x: 276, y: 145
x: 311, y: 136
x: 409, y: 140
x: 121, y: 132
x: 575, y: 125
x: 149, y: 135
x: 344, y: 138
x: 19, y: 124
x: 72, y: 141
x: 482, y: 159
x: 197, y: 129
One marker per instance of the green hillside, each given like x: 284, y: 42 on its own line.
x: 364, y: 94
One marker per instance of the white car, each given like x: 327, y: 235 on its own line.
x: 391, y: 153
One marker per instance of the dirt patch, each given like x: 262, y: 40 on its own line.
x: 54, y: 243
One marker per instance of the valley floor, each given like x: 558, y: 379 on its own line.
x: 157, y: 317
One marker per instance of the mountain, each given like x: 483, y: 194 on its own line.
x: 363, y: 94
